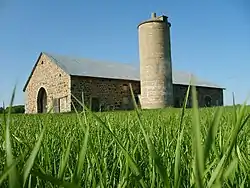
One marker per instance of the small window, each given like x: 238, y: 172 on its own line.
x: 42, y: 62
x: 217, y: 102
x: 125, y: 100
x: 208, y: 101
x: 95, y: 104
x: 177, y: 103
x: 125, y: 87
x: 60, y: 75
x: 137, y: 100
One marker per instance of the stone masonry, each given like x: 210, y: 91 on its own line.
x: 115, y: 94
x: 56, y: 83
x: 111, y: 94
x: 215, y: 94
x: 155, y: 63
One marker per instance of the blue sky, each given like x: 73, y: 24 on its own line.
x: 209, y: 38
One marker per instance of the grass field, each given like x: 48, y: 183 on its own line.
x: 207, y: 147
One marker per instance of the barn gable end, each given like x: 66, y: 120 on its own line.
x: 46, y: 76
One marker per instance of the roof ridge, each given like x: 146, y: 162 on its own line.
x: 89, y: 59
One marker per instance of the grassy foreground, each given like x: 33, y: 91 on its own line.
x: 155, y: 148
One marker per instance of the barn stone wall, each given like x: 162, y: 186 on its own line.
x: 215, y: 94
x: 112, y: 94
x: 54, y: 80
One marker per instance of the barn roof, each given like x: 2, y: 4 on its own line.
x: 92, y: 68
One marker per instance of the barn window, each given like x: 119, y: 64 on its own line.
x: 95, y: 104
x: 137, y: 100
x: 217, y: 102
x: 189, y: 102
x: 177, y: 103
x: 208, y: 101
x: 125, y: 100
x: 56, y: 105
x: 125, y: 87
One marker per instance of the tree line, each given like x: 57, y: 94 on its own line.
x: 18, y: 109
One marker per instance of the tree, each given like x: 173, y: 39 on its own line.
x: 18, y: 109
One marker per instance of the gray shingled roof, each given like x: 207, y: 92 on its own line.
x: 86, y: 67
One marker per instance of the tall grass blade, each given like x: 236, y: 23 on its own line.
x: 64, y: 160
x: 184, y: 105
x: 29, y: 163
x: 133, y: 166
x: 179, y: 140
x: 13, y: 177
x: 82, y: 155
x: 242, y: 185
x: 81, y: 158
x: 231, y: 167
x: 53, y: 180
x: 6, y: 172
x: 153, y: 154
x: 178, y: 160
x: 210, y: 139
x: 235, y: 108
x: 231, y: 144
x: 199, y: 158
x: 135, y: 169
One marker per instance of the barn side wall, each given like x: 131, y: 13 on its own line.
x: 54, y: 80
x: 112, y: 94
x: 216, y: 95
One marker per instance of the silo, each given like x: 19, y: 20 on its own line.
x: 155, y: 63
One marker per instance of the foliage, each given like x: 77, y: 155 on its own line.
x: 205, y: 147
x: 16, y: 109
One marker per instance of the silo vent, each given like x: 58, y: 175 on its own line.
x: 153, y: 15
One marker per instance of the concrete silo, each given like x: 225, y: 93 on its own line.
x: 155, y: 63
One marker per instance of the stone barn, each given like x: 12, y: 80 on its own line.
x: 56, y: 80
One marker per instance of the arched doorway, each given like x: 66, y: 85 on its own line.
x: 41, y: 101
x: 208, y: 101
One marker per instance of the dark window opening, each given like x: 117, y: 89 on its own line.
x: 137, y: 100
x: 208, y: 101
x: 177, y: 103
x: 95, y: 104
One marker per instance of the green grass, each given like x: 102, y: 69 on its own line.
x: 206, y: 147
